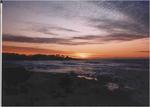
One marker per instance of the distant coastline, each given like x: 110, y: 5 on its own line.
x: 15, y: 56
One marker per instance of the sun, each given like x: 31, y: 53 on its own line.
x: 82, y: 55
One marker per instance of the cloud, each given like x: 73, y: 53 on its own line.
x: 112, y: 26
x: 136, y: 11
x: 143, y: 51
x: 83, y: 18
x: 44, y: 30
x: 112, y: 37
x: 87, y: 39
x: 63, y: 29
x: 52, y: 27
x: 20, y: 38
x: 123, y: 37
x: 134, y: 15
x: 47, y: 28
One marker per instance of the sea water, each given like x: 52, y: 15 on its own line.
x: 135, y: 72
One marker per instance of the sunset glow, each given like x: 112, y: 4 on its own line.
x: 77, y: 29
x: 75, y: 52
x: 82, y: 55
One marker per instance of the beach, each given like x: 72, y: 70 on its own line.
x: 22, y: 87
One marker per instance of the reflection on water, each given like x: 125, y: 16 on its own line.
x: 86, y: 77
x: 112, y: 86
x: 82, y: 67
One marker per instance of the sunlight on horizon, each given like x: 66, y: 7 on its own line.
x: 83, y: 55
x: 94, y: 29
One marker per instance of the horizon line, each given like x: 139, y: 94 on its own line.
x: 99, y: 58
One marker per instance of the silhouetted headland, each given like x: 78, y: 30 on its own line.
x: 14, y: 56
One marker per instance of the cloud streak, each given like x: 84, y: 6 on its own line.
x: 118, y: 26
x: 62, y: 41
x: 48, y: 29
x: 27, y: 39
x: 112, y: 37
x: 96, y: 39
x: 143, y: 51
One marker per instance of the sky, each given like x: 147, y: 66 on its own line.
x: 80, y: 29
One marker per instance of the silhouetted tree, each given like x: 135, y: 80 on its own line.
x: 13, y: 56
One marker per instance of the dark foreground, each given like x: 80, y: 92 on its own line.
x: 22, y: 87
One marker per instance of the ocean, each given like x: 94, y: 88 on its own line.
x: 134, y: 72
